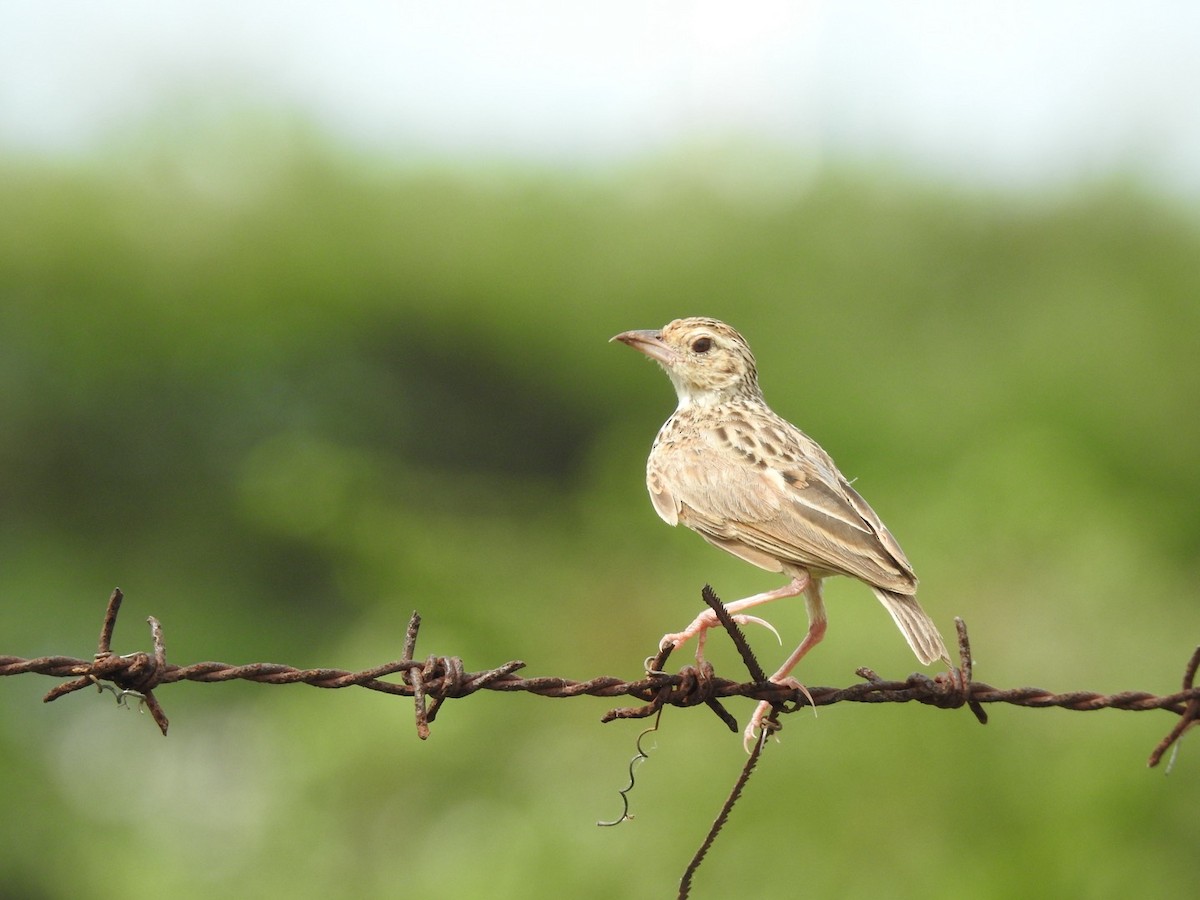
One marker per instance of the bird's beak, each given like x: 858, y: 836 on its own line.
x: 648, y: 342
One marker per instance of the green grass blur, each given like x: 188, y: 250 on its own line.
x: 284, y: 394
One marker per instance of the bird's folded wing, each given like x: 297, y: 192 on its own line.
x: 795, y: 507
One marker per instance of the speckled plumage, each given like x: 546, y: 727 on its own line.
x: 753, y: 484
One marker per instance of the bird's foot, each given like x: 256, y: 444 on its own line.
x: 700, y: 626
x: 758, y: 720
x: 750, y: 736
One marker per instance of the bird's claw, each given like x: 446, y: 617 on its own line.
x: 676, y: 640
x: 759, y: 722
x: 755, y: 620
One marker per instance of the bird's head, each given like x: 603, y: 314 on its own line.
x: 706, y: 360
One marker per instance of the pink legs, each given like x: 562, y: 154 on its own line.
x: 816, y: 631
x: 800, y: 584
x: 708, y: 618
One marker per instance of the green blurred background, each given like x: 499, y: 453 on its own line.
x: 285, y: 398
x: 283, y: 391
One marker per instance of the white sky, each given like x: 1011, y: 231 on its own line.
x: 1009, y: 92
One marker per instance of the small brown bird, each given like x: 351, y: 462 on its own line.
x: 756, y: 486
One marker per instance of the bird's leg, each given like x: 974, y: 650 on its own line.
x: 816, y: 631
x: 708, y: 619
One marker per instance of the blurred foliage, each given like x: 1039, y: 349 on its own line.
x: 283, y: 394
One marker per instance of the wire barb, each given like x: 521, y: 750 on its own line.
x: 1187, y: 717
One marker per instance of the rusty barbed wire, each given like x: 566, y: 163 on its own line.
x: 432, y: 681
x: 436, y: 679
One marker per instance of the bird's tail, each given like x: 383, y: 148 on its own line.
x: 918, y: 629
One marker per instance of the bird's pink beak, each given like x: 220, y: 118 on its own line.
x: 649, y: 343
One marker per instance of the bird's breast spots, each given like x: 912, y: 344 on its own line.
x: 747, y: 453
x: 745, y: 441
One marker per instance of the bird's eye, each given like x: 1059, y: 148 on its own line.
x: 701, y: 345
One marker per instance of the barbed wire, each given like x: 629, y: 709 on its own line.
x: 436, y: 679
x: 432, y: 681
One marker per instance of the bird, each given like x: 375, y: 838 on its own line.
x: 751, y: 483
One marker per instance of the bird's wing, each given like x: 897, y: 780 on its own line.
x: 777, y: 493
